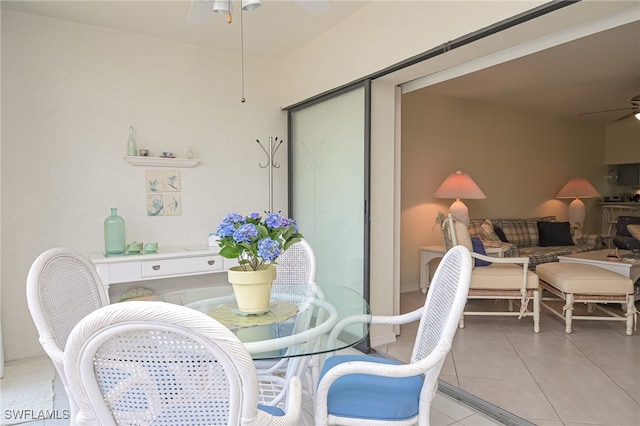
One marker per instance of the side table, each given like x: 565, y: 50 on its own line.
x: 428, y: 253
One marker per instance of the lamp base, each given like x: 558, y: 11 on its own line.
x: 459, y: 211
x: 577, y: 211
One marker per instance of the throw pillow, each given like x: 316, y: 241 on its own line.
x: 487, y: 232
x: 500, y: 233
x: 478, y: 247
x: 634, y: 230
x: 576, y: 233
x: 554, y: 234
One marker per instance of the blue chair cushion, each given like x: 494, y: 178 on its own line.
x: 274, y: 411
x: 365, y: 396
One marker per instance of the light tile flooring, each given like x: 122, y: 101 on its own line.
x: 446, y: 411
x: 589, y: 377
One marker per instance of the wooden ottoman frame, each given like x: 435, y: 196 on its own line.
x: 574, y: 282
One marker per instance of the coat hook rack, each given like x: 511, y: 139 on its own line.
x: 271, y: 164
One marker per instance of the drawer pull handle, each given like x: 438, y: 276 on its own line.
x: 155, y: 267
x: 211, y: 262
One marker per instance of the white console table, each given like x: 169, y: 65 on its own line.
x: 166, y: 263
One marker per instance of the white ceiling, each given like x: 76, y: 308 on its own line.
x: 272, y: 31
x: 598, y: 72
x: 593, y: 73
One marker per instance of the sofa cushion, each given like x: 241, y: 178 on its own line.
x: 623, y: 222
x: 487, y: 232
x: 502, y: 276
x: 500, y: 233
x: 634, y: 230
x: 539, y: 254
x: 532, y: 227
x: 555, y: 234
x: 584, y: 279
x: 576, y: 232
x: 516, y: 231
x: 475, y: 226
x: 478, y: 247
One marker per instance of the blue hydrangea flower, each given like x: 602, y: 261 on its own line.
x: 225, y: 230
x: 233, y: 218
x: 245, y: 233
x: 268, y: 249
x: 274, y: 220
x: 254, y: 215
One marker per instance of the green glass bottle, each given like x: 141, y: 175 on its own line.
x: 131, y: 144
x: 114, y: 236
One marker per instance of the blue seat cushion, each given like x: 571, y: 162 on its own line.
x: 274, y: 411
x: 365, y: 396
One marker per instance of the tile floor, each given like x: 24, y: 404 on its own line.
x: 590, y: 377
x: 446, y: 411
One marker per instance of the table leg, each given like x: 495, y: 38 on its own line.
x: 426, y: 257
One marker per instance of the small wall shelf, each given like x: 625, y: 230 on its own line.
x: 160, y: 161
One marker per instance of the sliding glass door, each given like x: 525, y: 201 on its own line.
x: 329, y: 184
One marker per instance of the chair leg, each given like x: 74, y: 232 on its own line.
x: 630, y: 313
x: 568, y: 313
x: 536, y: 311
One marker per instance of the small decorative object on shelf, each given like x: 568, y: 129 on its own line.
x: 131, y: 143
x: 161, y: 161
x: 256, y: 243
x: 114, y: 234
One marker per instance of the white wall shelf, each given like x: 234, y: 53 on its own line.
x: 160, y: 161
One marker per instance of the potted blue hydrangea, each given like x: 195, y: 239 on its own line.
x: 256, y: 243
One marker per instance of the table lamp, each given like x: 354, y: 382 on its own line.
x: 577, y: 188
x: 459, y: 185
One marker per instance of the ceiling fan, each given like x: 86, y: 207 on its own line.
x: 203, y: 10
x: 635, y: 109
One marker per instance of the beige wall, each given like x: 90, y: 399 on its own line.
x: 381, y: 34
x: 519, y: 160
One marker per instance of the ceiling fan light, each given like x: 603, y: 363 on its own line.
x: 221, y: 6
x: 249, y: 5
x: 637, y: 115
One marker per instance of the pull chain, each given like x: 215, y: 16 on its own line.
x: 243, y: 100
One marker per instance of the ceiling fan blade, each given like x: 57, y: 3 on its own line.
x: 603, y: 111
x: 315, y: 7
x: 624, y: 117
x: 201, y: 11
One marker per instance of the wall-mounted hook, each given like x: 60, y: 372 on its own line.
x: 271, y: 163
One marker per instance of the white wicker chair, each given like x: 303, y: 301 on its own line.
x: 367, y: 390
x: 157, y: 363
x: 294, y: 283
x: 507, y: 278
x: 62, y: 288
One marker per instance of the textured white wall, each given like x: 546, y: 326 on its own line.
x: 69, y: 94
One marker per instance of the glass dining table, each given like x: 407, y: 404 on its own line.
x: 300, y: 321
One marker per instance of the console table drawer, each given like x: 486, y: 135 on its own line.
x: 183, y: 266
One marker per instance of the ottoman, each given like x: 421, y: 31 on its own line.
x: 577, y: 282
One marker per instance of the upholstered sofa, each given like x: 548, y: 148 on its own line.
x: 542, y: 239
x: 624, y: 238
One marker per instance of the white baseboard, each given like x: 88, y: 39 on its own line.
x: 383, y: 339
x: 410, y: 289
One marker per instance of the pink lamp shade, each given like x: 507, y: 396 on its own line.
x: 459, y: 185
x: 577, y: 188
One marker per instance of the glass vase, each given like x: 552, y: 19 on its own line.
x: 114, y: 235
